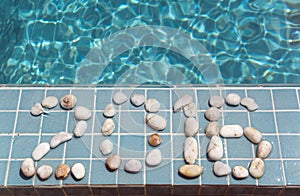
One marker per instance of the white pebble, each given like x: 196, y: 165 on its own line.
x: 182, y: 102
x: 153, y: 158
x: 137, y: 99
x: 221, y: 169
x: 190, y: 150
x: 108, y: 127
x: 37, y: 109
x: 231, y: 131
x: 82, y: 113
x: 44, y: 172
x: 27, y: 167
x: 213, y: 128
x: 156, y: 122
x: 133, y: 166
x: 40, y: 151
x: 257, y: 168
x: 78, y: 171
x: 264, y: 148
x: 68, y: 101
x: 253, y: 134
x: 190, y: 110
x: 119, y: 98
x: 215, y: 148
x: 240, y: 172
x: 106, y: 147
x: 60, y: 138
x: 152, y: 105
x: 113, y: 162
x: 249, y: 103
x: 216, y: 101
x: 212, y: 114
x: 233, y: 99
x: 191, y: 126
x: 80, y: 128
x: 109, y: 110
x: 190, y: 171
x: 50, y: 102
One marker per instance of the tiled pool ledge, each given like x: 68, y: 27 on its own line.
x: 278, y: 118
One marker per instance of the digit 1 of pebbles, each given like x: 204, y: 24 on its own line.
x: 153, y: 158
x: 59, y: 138
x: 182, y: 102
x: 40, y: 151
x: 119, y: 98
x: 253, y: 134
x: 133, y: 166
x: 108, y: 127
x: 62, y: 171
x: 156, y: 122
x: 137, y: 99
x: 212, y: 128
x: 215, y: 148
x: 109, y: 111
x: 78, y: 171
x: 113, y: 162
x: 231, y: 131
x: 44, y: 172
x: 190, y: 150
x: 190, y: 110
x: 106, y: 147
x: 27, y: 167
x: 221, y: 169
x: 152, y: 105
x: 191, y: 126
x: 80, y: 128
x: 68, y: 102
x: 212, y: 114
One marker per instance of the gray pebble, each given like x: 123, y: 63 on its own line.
x: 190, y: 171
x: 27, y: 167
x: 213, y: 128
x: 109, y: 111
x: 253, y: 135
x: 233, y: 99
x: 182, y: 102
x: 108, y: 127
x: 80, y: 128
x: 44, y: 172
x: 113, y: 162
x: 156, y: 122
x: 190, y: 110
x: 119, y: 98
x: 50, y: 102
x: 37, y: 109
x: 191, y: 126
x: 106, y: 147
x: 40, y: 151
x: 82, y: 113
x: 60, y: 138
x: 152, y: 105
x: 216, y: 101
x: 249, y: 103
x: 212, y: 114
x: 137, y: 99
x: 133, y: 166
x: 153, y: 158
x: 221, y: 169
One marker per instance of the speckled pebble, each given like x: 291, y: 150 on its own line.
x: 152, y: 105
x: 212, y: 114
x: 133, y: 166
x: 191, y: 126
x: 216, y: 101
x: 153, y: 158
x: 62, y: 171
x: 190, y: 110
x: 257, y: 168
x: 119, y: 98
x: 240, y: 172
x: 190, y: 150
x: 231, y: 131
x: 50, y: 102
x: 40, y: 151
x: 249, y: 103
x: 68, y: 102
x: 264, y: 148
x: 190, y: 171
x: 233, y: 99
x: 212, y: 128
x: 28, y: 168
x: 106, y: 147
x: 37, y: 109
x: 109, y: 111
x: 156, y: 122
x: 253, y: 134
x: 108, y: 127
x: 182, y: 102
x: 82, y: 113
x: 80, y: 128
x: 137, y: 99
x: 221, y: 169
x: 60, y: 138
x: 215, y: 148
x: 44, y: 172
x: 113, y: 162
x: 78, y: 171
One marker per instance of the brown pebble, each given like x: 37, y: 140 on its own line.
x: 62, y: 171
x: 154, y: 139
x: 68, y: 101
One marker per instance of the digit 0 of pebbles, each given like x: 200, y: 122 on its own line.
x: 109, y: 111
x: 108, y: 127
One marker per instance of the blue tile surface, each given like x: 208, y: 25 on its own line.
x: 164, y: 147
x: 7, y: 122
x: 292, y: 172
x: 79, y: 147
x: 239, y: 148
x: 290, y: 145
x: 9, y: 99
x: 265, y: 126
x: 27, y: 123
x: 240, y: 118
x: 31, y: 97
x: 101, y: 175
x: 160, y: 174
x: 262, y: 97
x: 288, y: 122
x: 56, y: 122
x: 132, y: 146
x: 5, y: 146
x: 56, y: 153
x: 15, y: 176
x: 23, y: 146
x: 208, y: 176
x: 163, y: 96
x: 285, y: 99
x: 132, y: 122
x: 51, y: 180
x: 3, y: 166
x: 273, y: 175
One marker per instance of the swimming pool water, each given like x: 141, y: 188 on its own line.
x: 153, y: 42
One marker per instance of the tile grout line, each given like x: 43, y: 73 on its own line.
x: 171, y: 137
x: 12, y: 139
x: 145, y: 147
x: 119, y: 141
x: 198, y: 137
x: 278, y: 138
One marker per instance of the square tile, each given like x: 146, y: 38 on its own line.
x: 55, y: 153
x: 99, y: 120
x: 7, y: 122
x: 71, y: 179
x: 5, y: 146
x: 285, y: 99
x: 246, y: 181
x: 132, y: 122
x: 101, y: 175
x: 132, y: 146
x: 239, y: 148
x: 85, y: 97
x: 160, y: 174
x: 3, y: 167
x: 240, y: 118
x: 9, y: 99
x: 288, y: 122
x: 290, y: 146
x: 58, y: 94
x: 273, y: 174
x: 267, y: 125
x: 180, y: 180
x: 262, y: 97
x: 51, y: 180
x: 208, y: 176
x: 23, y: 146
x: 166, y: 115
x: 79, y: 147
x: 292, y: 172
x: 130, y: 178
x: 31, y: 97
x: 15, y: 176
x: 178, y: 120
x: 164, y: 147
x: 97, y: 141
x: 162, y: 96
x: 56, y: 122
x: 27, y: 123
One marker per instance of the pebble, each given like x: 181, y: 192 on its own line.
x: 152, y: 105
x: 62, y: 171
x: 221, y: 169
x: 212, y: 114
x: 108, y: 127
x: 27, y: 167
x: 60, y: 138
x: 113, y: 162
x: 190, y: 150
x: 154, y: 140
x: 213, y: 128
x: 257, y: 168
x: 190, y: 110
x: 191, y: 126
x: 249, y: 103
x: 137, y: 99
x: 233, y: 99
x: 190, y: 171
x: 216, y: 101
x: 40, y: 151
x: 50, y: 102
x: 106, y: 147
x: 182, y: 102
x: 119, y: 98
x: 78, y: 171
x: 37, y: 109
x: 253, y: 135
x: 231, y: 131
x: 80, y: 128
x: 82, y: 113
x: 133, y: 166
x: 153, y: 158
x: 156, y: 122
x: 68, y: 102
x: 240, y: 172
x: 44, y: 172
x: 109, y: 111
x: 215, y: 148
x: 264, y: 148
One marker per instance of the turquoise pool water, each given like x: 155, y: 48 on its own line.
x: 153, y: 42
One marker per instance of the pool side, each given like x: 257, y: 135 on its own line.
x: 278, y: 118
